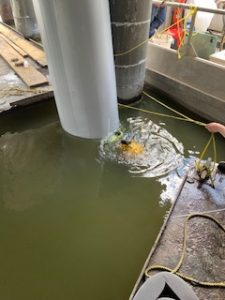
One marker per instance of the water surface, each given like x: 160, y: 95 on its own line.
x: 74, y: 224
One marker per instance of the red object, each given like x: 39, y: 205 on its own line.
x: 177, y: 31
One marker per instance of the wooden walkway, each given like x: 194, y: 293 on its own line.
x: 205, y: 253
x: 23, y: 71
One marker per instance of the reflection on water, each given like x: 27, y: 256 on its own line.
x: 35, y: 163
x: 161, y: 153
x: 72, y: 225
x: 49, y: 149
x: 40, y: 152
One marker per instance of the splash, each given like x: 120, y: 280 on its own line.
x: 172, y: 182
x: 161, y: 153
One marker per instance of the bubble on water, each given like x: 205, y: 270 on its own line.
x: 161, y: 153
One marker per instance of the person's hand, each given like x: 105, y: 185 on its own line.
x: 213, y: 127
x: 216, y: 127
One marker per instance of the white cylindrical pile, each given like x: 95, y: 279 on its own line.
x: 77, y: 39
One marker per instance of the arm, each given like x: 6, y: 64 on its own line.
x: 158, y: 19
x: 216, y: 127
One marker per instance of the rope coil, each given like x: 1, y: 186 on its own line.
x: 175, y: 270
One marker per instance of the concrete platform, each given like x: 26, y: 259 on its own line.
x: 192, y: 82
x: 205, y: 254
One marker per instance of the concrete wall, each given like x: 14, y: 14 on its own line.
x: 195, y: 83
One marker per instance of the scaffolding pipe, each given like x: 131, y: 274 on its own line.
x: 6, y: 12
x: 188, y: 6
x: 25, y: 19
x: 130, y: 21
x: 77, y: 39
x: 191, y: 30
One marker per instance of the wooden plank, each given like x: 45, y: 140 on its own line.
x: 34, y: 52
x: 30, y: 76
x: 10, y: 81
x: 14, y: 46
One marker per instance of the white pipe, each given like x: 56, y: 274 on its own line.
x: 24, y: 17
x: 77, y: 39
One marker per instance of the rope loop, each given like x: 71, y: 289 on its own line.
x: 188, y: 278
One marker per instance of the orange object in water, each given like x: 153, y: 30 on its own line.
x: 132, y: 148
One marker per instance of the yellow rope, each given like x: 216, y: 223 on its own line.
x: 166, y: 106
x: 160, y: 114
x: 214, y: 149
x: 192, y: 11
x: 185, y: 118
x: 145, y: 41
x: 203, y: 153
x: 132, y: 49
x: 178, y: 16
x: 183, y: 38
x: 181, y: 260
x: 176, y: 23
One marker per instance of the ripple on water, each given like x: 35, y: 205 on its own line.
x: 162, y: 152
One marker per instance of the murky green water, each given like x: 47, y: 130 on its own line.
x: 75, y: 225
